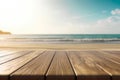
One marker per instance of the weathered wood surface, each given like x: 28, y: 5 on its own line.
x: 36, y: 69
x: 107, y: 64
x: 9, y: 67
x: 59, y: 65
x: 85, y: 67
x: 60, y: 68
x: 5, y: 53
x: 13, y: 56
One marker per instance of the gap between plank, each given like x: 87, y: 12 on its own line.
x: 70, y: 64
x: 49, y: 65
x: 9, y: 77
x: 17, y: 57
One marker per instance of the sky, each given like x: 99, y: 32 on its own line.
x: 60, y: 16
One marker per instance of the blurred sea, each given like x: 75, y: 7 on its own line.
x: 61, y: 38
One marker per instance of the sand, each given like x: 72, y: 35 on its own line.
x: 62, y: 46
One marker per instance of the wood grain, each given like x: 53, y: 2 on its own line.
x: 59, y: 65
x: 9, y: 67
x: 115, y: 54
x: 36, y: 69
x: 5, y: 53
x: 86, y: 68
x: 13, y: 56
x: 60, y: 68
x: 106, y: 64
x: 107, y: 55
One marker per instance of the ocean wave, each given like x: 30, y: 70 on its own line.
x: 60, y: 38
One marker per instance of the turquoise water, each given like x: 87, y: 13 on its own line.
x: 62, y: 38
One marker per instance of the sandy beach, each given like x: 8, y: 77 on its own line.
x: 62, y: 46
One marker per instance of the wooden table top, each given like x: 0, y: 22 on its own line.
x: 59, y: 65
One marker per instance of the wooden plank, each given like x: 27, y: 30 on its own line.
x: 114, y: 53
x: 11, y: 66
x: 1, y: 51
x: 86, y: 68
x: 13, y: 56
x: 60, y: 68
x: 109, y: 66
x: 110, y: 57
x: 36, y: 69
x: 5, y: 53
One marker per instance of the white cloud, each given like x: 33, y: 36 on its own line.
x: 113, y: 19
x: 109, y: 20
x: 115, y: 12
x: 110, y: 24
